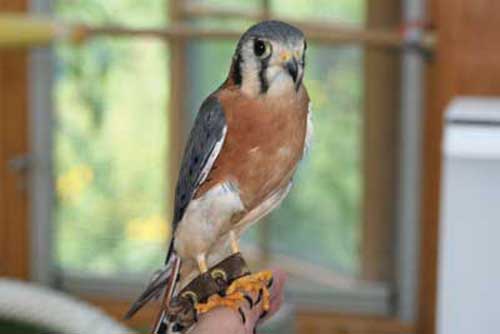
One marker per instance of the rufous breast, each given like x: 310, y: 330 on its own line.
x: 264, y: 142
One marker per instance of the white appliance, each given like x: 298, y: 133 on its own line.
x: 469, y: 248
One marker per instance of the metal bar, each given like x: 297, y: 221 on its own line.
x: 41, y: 178
x: 331, y: 35
x: 325, y: 33
x: 174, y: 31
x: 410, y: 169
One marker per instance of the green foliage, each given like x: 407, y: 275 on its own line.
x: 143, y: 13
x: 110, y: 152
x: 319, y: 222
x: 351, y: 11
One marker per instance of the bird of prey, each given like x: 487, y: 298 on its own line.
x: 240, y: 158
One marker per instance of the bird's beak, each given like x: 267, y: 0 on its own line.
x: 290, y: 64
x: 293, y: 68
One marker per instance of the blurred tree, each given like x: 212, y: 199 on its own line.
x: 110, y: 143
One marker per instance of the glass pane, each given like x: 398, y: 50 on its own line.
x: 209, y: 64
x: 232, y: 4
x: 145, y: 13
x: 348, y: 11
x: 319, y: 223
x: 110, y: 156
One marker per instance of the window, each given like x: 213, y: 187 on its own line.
x: 122, y: 107
x: 110, y: 145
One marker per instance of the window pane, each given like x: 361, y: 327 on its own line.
x: 319, y: 222
x: 111, y: 156
x: 349, y: 11
x: 209, y: 64
x: 144, y: 13
x: 243, y: 4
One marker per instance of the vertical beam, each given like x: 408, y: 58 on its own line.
x: 380, y: 155
x: 41, y: 77
x: 437, y: 92
x: 409, y: 211
x: 14, y: 231
x: 266, y: 8
x: 178, y: 87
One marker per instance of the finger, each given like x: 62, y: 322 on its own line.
x: 276, y: 304
x: 277, y: 291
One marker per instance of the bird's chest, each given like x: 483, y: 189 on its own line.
x: 268, y: 143
x: 262, y: 148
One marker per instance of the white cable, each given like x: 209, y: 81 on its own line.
x: 40, y: 306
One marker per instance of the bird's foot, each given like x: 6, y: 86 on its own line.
x: 258, y: 283
x: 231, y: 300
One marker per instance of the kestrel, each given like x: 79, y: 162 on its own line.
x: 240, y: 158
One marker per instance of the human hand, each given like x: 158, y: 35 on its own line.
x: 227, y: 321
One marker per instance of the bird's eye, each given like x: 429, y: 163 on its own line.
x: 262, y: 49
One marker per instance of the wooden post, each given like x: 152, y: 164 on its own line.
x: 380, y: 158
x: 177, y: 97
x: 14, y: 221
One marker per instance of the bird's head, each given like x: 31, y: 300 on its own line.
x: 269, y: 59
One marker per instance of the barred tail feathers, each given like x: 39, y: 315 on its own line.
x: 161, y: 325
x: 160, y: 280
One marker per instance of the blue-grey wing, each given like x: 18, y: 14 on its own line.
x: 202, y: 148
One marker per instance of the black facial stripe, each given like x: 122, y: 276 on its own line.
x: 237, y: 70
x: 264, y: 85
x: 303, y: 65
x: 299, y: 82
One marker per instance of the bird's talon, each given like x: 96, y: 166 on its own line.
x: 256, y: 283
x: 230, y: 300
x: 249, y: 300
x: 266, y: 296
x: 243, y: 318
x: 259, y: 297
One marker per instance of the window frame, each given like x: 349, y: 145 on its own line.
x: 40, y: 67
x: 14, y: 157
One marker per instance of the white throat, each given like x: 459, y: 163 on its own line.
x: 279, y: 82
